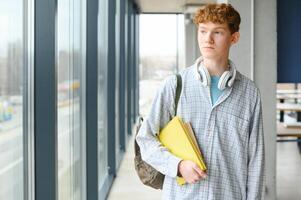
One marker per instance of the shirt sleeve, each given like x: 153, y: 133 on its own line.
x: 256, y: 155
x: 162, y: 110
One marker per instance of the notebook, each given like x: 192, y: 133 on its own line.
x: 179, y: 139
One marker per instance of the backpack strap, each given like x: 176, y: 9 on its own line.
x: 178, y: 92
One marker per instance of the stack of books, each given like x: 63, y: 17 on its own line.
x: 178, y: 137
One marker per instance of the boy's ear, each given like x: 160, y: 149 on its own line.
x: 235, y: 37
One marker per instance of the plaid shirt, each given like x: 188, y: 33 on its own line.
x: 229, y: 134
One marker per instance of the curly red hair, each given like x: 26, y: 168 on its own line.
x: 219, y: 13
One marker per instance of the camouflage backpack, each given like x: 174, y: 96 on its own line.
x: 148, y: 175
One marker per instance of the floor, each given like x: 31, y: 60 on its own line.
x: 288, y: 171
x: 127, y: 185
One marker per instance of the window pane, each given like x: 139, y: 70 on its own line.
x: 71, y: 55
x: 161, y: 46
x: 102, y: 92
x: 11, y: 99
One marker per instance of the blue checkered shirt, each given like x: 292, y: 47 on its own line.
x: 229, y: 134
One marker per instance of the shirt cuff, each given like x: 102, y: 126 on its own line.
x: 172, y: 167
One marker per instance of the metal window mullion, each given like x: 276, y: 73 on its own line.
x: 91, y: 100
x: 129, y: 68
x: 132, y: 67
x: 111, y: 87
x: 28, y: 101
x: 134, y: 64
x: 122, y: 118
x: 126, y: 110
x: 137, y: 62
x: 45, y: 126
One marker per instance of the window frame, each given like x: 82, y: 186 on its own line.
x: 45, y: 100
x: 28, y: 99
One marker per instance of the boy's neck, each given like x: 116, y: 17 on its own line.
x: 216, y: 67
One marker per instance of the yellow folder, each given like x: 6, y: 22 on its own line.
x: 179, y: 139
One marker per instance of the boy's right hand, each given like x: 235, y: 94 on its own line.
x: 190, y: 171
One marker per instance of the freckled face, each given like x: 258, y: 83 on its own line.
x: 215, y: 40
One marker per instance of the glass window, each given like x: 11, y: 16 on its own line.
x: 70, y: 97
x: 161, y: 46
x: 102, y: 91
x: 12, y: 68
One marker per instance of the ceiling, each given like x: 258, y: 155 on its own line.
x: 170, y: 6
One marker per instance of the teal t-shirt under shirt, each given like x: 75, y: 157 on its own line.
x: 215, y: 92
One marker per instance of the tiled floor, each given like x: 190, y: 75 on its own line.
x: 127, y: 185
x: 288, y: 171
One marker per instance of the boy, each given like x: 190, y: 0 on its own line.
x: 224, y: 109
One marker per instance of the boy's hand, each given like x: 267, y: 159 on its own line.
x: 190, y: 171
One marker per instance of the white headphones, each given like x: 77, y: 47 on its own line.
x: 227, y: 78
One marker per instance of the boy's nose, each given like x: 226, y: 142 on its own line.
x: 209, y: 38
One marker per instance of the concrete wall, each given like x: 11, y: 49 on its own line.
x: 242, y: 52
x: 256, y: 57
x: 265, y: 74
x: 191, y: 46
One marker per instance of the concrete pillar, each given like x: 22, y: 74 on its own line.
x: 265, y: 76
x: 192, y: 51
x: 256, y: 57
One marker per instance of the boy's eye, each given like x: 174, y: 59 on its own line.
x: 217, y: 32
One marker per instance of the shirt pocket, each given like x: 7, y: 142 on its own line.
x: 233, y: 130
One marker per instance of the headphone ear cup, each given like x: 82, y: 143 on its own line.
x: 222, y: 83
x: 231, y: 81
x: 206, y: 80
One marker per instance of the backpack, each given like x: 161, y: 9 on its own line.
x: 148, y: 175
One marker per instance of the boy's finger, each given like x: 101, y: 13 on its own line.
x: 200, y: 172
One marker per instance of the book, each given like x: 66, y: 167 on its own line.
x: 178, y: 137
